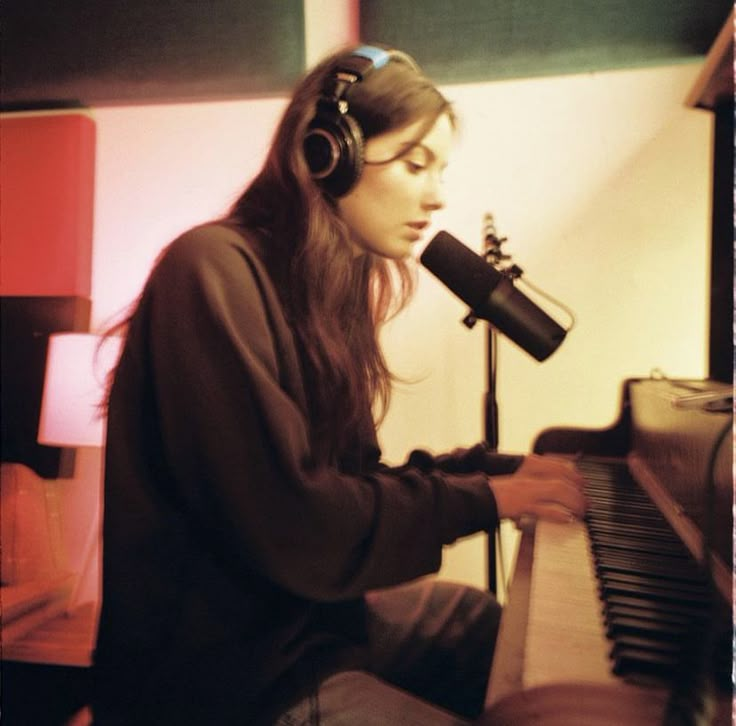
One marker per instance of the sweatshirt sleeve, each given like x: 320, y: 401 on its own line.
x: 235, y: 441
x: 474, y: 459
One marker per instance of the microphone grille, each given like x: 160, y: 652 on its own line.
x: 467, y: 274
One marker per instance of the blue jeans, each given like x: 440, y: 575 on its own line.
x: 430, y: 650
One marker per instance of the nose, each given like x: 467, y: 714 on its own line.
x: 434, y: 197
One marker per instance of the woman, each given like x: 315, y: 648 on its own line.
x: 255, y: 548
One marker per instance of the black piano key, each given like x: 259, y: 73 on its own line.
x: 688, y: 610
x: 634, y: 525
x: 659, y: 615
x: 603, y: 527
x: 642, y: 555
x: 674, y: 561
x: 614, y: 485
x: 615, y: 488
x: 666, y: 576
x: 667, y: 549
x: 626, y: 519
x: 633, y: 547
x: 620, y: 526
x: 603, y: 503
x: 644, y: 568
x: 637, y: 551
x: 618, y: 490
x: 615, y: 524
x: 645, y: 644
x: 679, y: 588
x: 636, y: 661
x: 651, y: 591
x: 656, y: 629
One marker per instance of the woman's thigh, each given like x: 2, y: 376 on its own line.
x: 435, y: 639
x: 356, y: 697
x: 429, y: 650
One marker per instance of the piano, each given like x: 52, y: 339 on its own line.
x: 626, y: 617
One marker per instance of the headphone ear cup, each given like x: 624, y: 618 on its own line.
x: 333, y: 150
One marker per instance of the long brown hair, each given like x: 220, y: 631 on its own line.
x: 336, y: 301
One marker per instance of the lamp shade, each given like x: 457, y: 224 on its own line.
x: 77, y: 366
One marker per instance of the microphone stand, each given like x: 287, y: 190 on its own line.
x: 494, y: 255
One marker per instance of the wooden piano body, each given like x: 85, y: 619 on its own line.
x: 553, y: 657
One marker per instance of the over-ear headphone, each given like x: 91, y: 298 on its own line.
x: 333, y: 143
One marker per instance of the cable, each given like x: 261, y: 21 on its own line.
x: 568, y: 311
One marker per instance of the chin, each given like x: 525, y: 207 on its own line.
x: 400, y: 250
x: 392, y: 249
x: 396, y: 253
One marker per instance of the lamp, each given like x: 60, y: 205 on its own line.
x: 72, y: 416
x: 77, y: 366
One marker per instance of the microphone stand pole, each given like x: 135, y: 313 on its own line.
x: 491, y: 404
x: 494, y: 256
x: 492, y: 253
x: 491, y: 437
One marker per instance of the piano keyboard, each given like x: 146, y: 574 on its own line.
x: 612, y: 601
x: 657, y: 602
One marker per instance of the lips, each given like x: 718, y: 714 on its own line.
x: 419, y: 226
x: 415, y: 230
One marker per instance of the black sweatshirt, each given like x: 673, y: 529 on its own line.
x: 234, y: 567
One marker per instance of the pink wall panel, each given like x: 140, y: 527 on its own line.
x: 47, y: 164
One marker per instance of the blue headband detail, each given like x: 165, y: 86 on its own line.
x: 378, y: 56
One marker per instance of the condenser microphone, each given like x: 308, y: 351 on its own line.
x: 492, y: 296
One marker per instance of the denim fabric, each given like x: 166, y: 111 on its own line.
x: 428, y: 657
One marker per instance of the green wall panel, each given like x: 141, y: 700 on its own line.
x: 478, y: 40
x: 106, y: 51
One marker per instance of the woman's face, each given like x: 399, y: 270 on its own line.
x: 392, y: 203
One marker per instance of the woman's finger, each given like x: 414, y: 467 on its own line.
x: 554, y: 513
x: 562, y: 492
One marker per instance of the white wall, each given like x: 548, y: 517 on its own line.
x: 601, y: 183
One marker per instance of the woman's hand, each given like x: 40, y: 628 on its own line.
x: 543, y: 486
